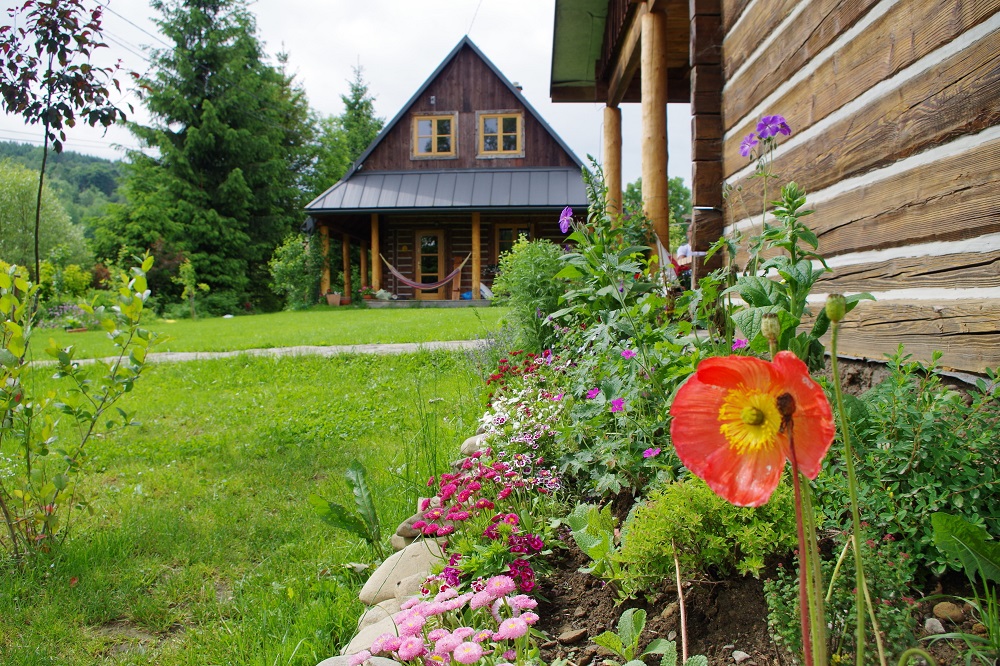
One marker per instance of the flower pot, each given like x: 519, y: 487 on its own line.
x: 345, y: 301
x: 333, y: 299
x: 367, y: 297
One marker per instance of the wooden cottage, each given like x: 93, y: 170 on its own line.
x: 895, y: 112
x: 465, y: 168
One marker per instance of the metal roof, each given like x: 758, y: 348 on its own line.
x: 454, y: 189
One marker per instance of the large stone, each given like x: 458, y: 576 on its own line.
x: 379, y: 612
x: 933, y: 626
x: 399, y: 543
x: 472, y: 445
x: 345, y: 661
x: 740, y: 656
x: 406, y: 529
x: 948, y: 611
x: 364, y: 638
x: 410, y: 586
x: 416, y: 558
x: 572, y: 636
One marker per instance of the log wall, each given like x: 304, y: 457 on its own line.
x: 894, y: 107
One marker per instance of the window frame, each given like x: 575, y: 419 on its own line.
x: 481, y: 117
x: 415, y: 152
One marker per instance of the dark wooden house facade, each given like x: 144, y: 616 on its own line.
x: 464, y: 169
x: 895, y: 112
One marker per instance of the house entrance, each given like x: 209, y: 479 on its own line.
x: 430, y: 263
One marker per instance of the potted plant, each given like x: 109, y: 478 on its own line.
x: 367, y: 292
x: 333, y: 298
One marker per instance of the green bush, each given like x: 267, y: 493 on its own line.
x: 296, y: 268
x: 527, y: 284
x: 708, y: 532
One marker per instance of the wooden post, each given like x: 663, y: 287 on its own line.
x: 324, y: 244
x: 376, y: 261
x: 476, y: 255
x: 655, y: 198
x: 364, y: 264
x: 346, y: 246
x: 613, y: 160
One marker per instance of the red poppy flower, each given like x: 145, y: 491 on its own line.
x: 727, y: 430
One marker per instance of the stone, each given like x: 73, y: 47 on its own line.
x: 473, y: 445
x: 379, y: 612
x: 345, y: 660
x: 579, y: 612
x: 672, y: 636
x: 739, y: 656
x: 572, y: 636
x: 406, y: 528
x: 416, y: 558
x: 670, y: 610
x: 979, y: 629
x: 481, y: 429
x: 948, y: 611
x: 364, y: 638
x: 410, y: 586
x: 933, y: 626
x: 399, y: 543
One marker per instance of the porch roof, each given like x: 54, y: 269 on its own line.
x: 453, y: 190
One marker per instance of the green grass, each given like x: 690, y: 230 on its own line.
x: 202, y: 548
x: 318, y: 326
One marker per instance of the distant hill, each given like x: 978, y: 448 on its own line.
x: 84, y: 184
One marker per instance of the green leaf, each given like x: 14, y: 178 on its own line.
x: 338, y: 516
x: 630, y: 627
x: 968, y: 543
x: 659, y: 646
x: 7, y: 359
x: 611, y: 641
x: 697, y: 660
x: 357, y: 478
x: 669, y: 655
x: 569, y: 271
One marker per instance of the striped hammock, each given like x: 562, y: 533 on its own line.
x: 425, y: 286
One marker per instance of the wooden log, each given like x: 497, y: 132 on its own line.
x: 949, y: 271
x: 706, y: 39
x: 964, y: 330
x: 613, y: 160
x: 706, y: 183
x: 957, y: 97
x: 655, y: 197
x: 743, y: 40
x: 708, y: 224
x: 731, y: 12
x: 365, y: 280
x: 706, y: 89
x: 627, y: 61
x: 376, y: 260
x: 324, y: 242
x: 915, y: 30
x: 705, y: 7
x: 346, y: 250
x: 477, y: 253
x: 706, y: 136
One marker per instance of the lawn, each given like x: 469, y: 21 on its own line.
x: 202, y: 547
x: 317, y: 326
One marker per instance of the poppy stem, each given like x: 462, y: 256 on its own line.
x: 804, y: 569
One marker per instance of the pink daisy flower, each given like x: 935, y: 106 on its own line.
x: 468, y: 653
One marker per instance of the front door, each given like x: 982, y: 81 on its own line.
x: 430, y: 263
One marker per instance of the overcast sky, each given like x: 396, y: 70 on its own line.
x: 399, y: 43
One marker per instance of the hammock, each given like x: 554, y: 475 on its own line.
x: 425, y: 286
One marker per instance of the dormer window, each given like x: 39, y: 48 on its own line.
x: 500, y: 135
x: 434, y: 136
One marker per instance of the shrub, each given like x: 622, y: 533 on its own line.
x: 707, y: 531
x: 296, y: 270
x: 527, y: 284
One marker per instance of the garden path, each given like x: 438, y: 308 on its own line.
x: 317, y: 350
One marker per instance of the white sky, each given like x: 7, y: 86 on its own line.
x: 399, y: 43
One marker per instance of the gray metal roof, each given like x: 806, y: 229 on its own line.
x: 454, y: 189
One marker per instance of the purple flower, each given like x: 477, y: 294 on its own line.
x: 772, y: 126
x: 593, y: 393
x: 649, y: 453
x: 739, y: 343
x: 566, y: 219
x: 627, y: 354
x: 618, y: 405
x: 747, y: 146
x: 559, y: 397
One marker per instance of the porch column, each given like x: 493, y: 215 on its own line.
x: 346, y: 246
x: 376, y: 261
x: 364, y: 264
x: 324, y: 244
x: 476, y: 255
x: 655, y: 198
x: 613, y: 161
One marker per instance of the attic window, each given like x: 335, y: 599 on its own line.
x: 434, y: 136
x: 500, y: 135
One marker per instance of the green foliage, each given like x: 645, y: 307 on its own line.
x: 625, y: 643
x: 593, y: 529
x: 889, y: 571
x: 527, y: 284
x: 922, y: 449
x: 187, y: 277
x: 40, y: 488
x: 679, y: 203
x: 232, y: 137
x: 705, y: 532
x: 296, y: 269
x: 363, y: 522
x: 968, y: 543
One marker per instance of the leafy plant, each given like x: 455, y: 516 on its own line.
x: 527, y: 284
x: 186, y: 276
x: 363, y: 522
x: 295, y: 271
x: 625, y: 642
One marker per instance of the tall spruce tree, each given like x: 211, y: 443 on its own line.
x: 232, y: 137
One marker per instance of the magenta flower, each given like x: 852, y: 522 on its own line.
x: 500, y: 586
x: 772, y: 126
x: 386, y: 643
x: 468, y: 653
x: 739, y: 343
x: 618, y: 405
x: 593, y: 393
x: 511, y: 628
x: 447, y: 643
x: 437, y: 635
x: 559, y: 397
x: 748, y: 144
x: 627, y: 354
x: 566, y: 220
x: 650, y: 453
x: 411, y: 648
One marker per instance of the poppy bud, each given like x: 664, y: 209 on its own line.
x: 836, y: 307
x: 770, y: 327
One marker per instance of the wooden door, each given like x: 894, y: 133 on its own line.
x: 429, y: 261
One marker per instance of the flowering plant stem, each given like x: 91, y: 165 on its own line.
x: 680, y: 604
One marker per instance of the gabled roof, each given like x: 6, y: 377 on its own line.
x: 454, y: 189
x: 358, y: 166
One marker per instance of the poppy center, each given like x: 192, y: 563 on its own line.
x: 749, y: 419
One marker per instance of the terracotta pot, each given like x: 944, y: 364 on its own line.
x: 333, y: 299
x: 345, y: 301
